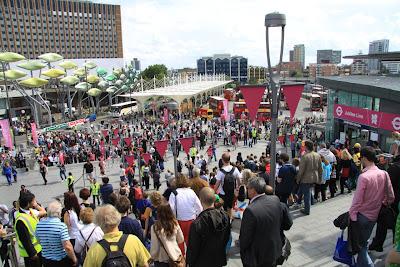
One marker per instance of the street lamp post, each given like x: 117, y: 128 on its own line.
x: 274, y: 20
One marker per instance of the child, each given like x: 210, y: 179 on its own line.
x: 70, y: 182
x: 95, y: 190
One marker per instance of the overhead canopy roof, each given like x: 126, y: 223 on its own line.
x: 375, y: 86
x: 178, y: 92
x: 388, y: 56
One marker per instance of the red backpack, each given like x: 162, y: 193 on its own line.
x: 138, y: 193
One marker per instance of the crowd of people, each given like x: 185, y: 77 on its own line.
x: 190, y: 221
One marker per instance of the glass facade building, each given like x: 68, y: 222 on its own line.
x: 74, y: 29
x: 232, y: 66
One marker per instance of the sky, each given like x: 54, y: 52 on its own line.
x: 178, y: 32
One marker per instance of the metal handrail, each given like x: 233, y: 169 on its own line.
x: 11, y: 251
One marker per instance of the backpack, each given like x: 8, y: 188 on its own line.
x: 115, y: 258
x: 85, y: 247
x: 138, y: 193
x: 242, y: 193
x: 229, y: 182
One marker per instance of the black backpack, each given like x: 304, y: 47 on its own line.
x: 115, y: 258
x: 229, y: 182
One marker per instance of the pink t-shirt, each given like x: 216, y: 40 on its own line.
x: 371, y: 193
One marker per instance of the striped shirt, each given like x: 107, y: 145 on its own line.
x: 51, y: 232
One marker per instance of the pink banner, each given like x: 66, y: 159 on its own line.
x: 376, y: 119
x: 225, y: 114
x: 146, y: 157
x: 5, y: 130
x: 129, y: 159
x: 116, y: 131
x: 292, y: 94
x: 115, y: 141
x: 34, y: 134
x: 252, y: 96
x: 128, y: 141
x: 102, y: 150
x: 161, y: 146
x: 166, y: 116
x: 186, y: 143
x: 104, y: 132
x: 281, y: 139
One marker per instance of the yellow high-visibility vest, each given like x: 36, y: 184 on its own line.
x: 30, y: 222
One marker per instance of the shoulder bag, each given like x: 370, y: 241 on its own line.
x: 387, y: 216
x: 180, y: 262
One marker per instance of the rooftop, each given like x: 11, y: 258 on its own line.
x: 376, y: 86
x: 383, y: 56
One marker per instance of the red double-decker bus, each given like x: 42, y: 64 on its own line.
x: 216, y: 104
x: 263, y: 114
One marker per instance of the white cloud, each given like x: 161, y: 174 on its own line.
x: 177, y: 32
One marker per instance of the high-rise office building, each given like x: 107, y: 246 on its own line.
x: 299, y: 54
x: 291, y: 55
x: 136, y: 64
x: 232, y: 66
x: 329, y: 56
x: 74, y: 29
x: 377, y: 46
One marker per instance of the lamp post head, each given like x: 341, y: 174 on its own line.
x: 275, y: 20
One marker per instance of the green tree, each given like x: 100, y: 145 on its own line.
x: 157, y: 70
x: 253, y: 80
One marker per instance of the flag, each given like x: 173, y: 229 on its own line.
x: 186, y: 143
x: 292, y: 94
x: 252, y: 96
x: 34, y: 134
x: 161, y: 146
x: 5, y: 130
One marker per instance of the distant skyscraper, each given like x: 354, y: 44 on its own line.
x: 377, y: 46
x: 136, y: 64
x: 291, y: 55
x: 233, y: 66
x: 329, y: 56
x: 299, y: 54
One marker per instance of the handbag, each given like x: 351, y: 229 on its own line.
x: 387, y: 216
x: 341, y: 254
x: 180, y: 262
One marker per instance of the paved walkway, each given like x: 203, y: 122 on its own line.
x: 313, y: 238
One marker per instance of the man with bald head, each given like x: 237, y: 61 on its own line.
x: 209, y: 234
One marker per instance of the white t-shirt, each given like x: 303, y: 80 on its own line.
x: 220, y: 176
x: 75, y: 225
x: 122, y: 172
x: 86, y: 231
x: 189, y: 206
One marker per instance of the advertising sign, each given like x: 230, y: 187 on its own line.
x: 376, y: 119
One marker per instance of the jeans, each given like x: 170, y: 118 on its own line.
x: 366, y: 226
x: 305, y: 190
x: 9, y: 181
x: 63, y: 176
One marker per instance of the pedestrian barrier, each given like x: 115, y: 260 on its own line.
x: 11, y: 251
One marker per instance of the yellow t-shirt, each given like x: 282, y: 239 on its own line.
x: 134, y: 250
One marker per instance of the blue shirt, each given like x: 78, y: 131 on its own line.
x: 51, y: 232
x: 131, y: 226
